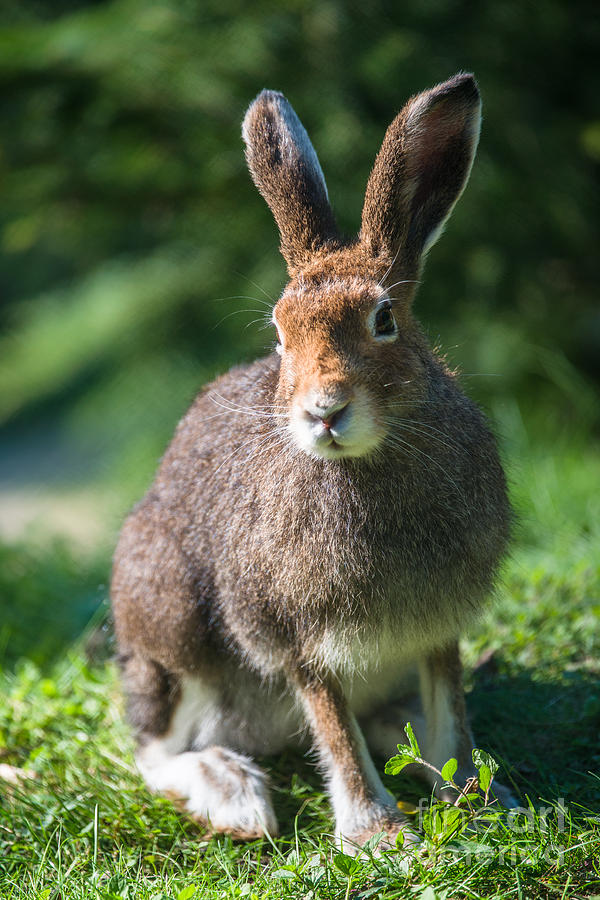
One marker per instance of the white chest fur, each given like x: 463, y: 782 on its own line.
x: 373, y: 667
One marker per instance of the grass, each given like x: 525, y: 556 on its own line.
x: 83, y: 825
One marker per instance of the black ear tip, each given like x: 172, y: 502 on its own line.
x: 268, y: 100
x: 463, y: 84
x: 264, y: 106
x: 268, y: 96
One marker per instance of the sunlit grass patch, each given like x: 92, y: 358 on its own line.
x: 81, y: 823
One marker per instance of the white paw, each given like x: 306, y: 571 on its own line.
x: 351, y: 837
x: 232, y: 794
x: 217, y: 786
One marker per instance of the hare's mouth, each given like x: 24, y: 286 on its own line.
x: 350, y: 431
x: 332, y: 449
x: 328, y: 448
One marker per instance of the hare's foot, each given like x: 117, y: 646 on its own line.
x: 352, y: 837
x: 216, y: 786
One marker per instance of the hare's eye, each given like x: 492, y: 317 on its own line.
x: 279, y: 345
x: 385, y: 324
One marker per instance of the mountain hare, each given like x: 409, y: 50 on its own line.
x: 326, y: 520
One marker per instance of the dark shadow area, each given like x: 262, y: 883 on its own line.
x: 547, y: 732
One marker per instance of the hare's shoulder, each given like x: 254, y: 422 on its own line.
x: 233, y: 396
x: 248, y: 387
x: 224, y: 414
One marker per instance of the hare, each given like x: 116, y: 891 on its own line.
x: 327, y: 520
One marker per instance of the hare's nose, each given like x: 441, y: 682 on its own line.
x: 328, y: 414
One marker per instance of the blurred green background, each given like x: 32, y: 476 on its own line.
x: 136, y: 253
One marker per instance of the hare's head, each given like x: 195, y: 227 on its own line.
x: 351, y: 354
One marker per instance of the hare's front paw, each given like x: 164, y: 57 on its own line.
x: 392, y: 823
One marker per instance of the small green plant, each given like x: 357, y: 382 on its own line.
x: 444, y: 821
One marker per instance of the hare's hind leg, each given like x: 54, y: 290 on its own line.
x: 218, y: 787
x: 180, y: 724
x: 447, y: 728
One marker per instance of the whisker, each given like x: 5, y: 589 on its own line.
x: 407, y: 402
x: 242, y: 297
x: 429, y: 431
x: 227, y: 411
x: 232, y: 407
x: 267, y: 411
x: 266, y: 323
x: 244, y: 412
x: 239, y: 405
x: 389, y: 268
x: 245, y: 444
x: 432, y: 437
x: 237, y: 312
x: 258, y: 286
x: 404, y: 281
x: 264, y: 447
x: 400, y: 444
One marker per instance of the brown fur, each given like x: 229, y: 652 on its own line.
x: 248, y: 557
x: 327, y: 712
x: 282, y: 174
x: 421, y: 169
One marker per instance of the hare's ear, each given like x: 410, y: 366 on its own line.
x: 421, y: 170
x: 285, y: 169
